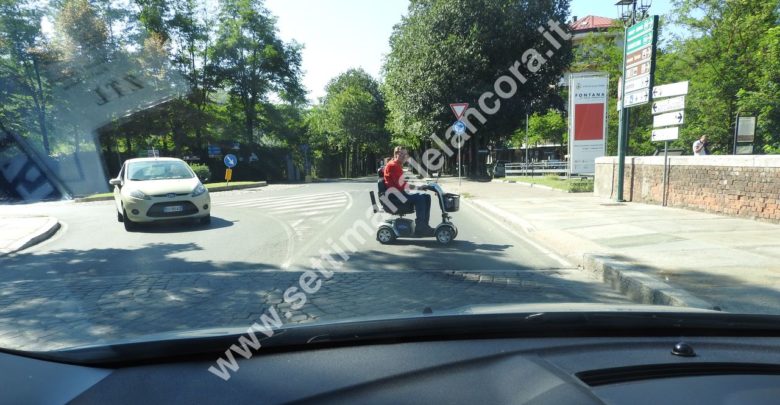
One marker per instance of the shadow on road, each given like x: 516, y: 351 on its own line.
x: 730, y: 294
x: 456, y: 245
x: 177, y: 226
x: 64, y: 298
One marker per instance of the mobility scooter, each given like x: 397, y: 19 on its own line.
x: 400, y: 227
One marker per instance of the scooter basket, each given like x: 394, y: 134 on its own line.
x: 451, y: 202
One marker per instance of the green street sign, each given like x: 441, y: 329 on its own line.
x: 639, y: 28
x: 640, y: 42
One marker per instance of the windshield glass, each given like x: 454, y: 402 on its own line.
x: 361, y: 160
x: 158, y: 171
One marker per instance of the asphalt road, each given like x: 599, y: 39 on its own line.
x: 93, y: 282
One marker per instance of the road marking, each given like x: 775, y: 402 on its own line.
x: 322, y: 231
x: 280, y: 199
x: 305, y: 206
x: 535, y: 245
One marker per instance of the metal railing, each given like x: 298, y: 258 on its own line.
x: 530, y: 169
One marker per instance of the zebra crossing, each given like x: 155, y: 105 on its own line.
x: 302, y: 213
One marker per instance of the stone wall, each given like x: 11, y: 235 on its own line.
x: 741, y: 186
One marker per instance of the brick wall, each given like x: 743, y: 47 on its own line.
x: 741, y: 186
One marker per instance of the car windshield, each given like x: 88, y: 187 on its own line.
x: 194, y: 167
x: 158, y: 171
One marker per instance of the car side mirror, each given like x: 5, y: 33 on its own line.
x: 115, y: 182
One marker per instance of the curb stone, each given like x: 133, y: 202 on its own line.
x: 638, y: 286
x: 43, y: 233
x: 622, y: 276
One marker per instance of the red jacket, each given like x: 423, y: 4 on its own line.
x: 394, y: 176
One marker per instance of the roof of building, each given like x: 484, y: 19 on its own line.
x: 590, y: 23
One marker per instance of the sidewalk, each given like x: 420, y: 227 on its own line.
x: 654, y: 254
x: 17, y: 233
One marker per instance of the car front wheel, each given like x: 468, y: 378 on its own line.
x: 129, y: 225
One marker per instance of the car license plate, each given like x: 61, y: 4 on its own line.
x: 173, y: 208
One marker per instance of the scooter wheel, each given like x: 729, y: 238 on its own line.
x: 385, y: 235
x: 445, y: 234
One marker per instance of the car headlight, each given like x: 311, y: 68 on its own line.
x: 200, y: 189
x: 139, y: 195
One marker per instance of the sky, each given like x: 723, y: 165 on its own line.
x: 341, y: 34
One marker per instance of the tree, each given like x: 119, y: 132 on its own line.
x: 725, y: 58
x: 550, y: 127
x: 351, y: 120
x: 251, y: 62
x: 448, y: 51
x: 25, y: 94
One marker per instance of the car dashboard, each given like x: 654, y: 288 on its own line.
x: 575, y: 370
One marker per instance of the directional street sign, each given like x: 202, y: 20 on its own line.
x: 669, y: 90
x: 640, y: 28
x: 230, y: 160
x: 670, y: 104
x: 458, y: 109
x: 640, y: 42
x: 665, y: 134
x: 638, y: 70
x: 637, y: 83
x: 637, y: 97
x: 459, y: 127
x: 639, y: 61
x: 672, y: 118
x: 636, y: 57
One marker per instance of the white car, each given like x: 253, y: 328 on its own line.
x: 159, y: 189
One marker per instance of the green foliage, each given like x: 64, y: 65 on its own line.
x: 731, y: 60
x: 447, y: 51
x: 581, y: 186
x: 350, y: 121
x: 550, y: 127
x: 202, y: 171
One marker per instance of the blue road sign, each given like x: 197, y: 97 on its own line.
x: 214, y: 150
x: 459, y: 127
x: 230, y: 160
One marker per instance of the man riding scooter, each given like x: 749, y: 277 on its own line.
x: 394, y: 178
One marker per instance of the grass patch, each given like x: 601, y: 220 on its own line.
x: 573, y: 185
x: 466, y: 195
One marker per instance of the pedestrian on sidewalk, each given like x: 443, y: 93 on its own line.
x: 700, y: 146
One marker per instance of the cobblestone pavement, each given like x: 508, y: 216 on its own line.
x: 59, y: 313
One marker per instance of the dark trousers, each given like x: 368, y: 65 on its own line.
x: 422, y: 208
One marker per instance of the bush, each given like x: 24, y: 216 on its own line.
x: 202, y: 171
x: 581, y: 186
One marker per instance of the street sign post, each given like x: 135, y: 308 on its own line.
x: 665, y: 134
x: 459, y: 109
x: 230, y: 160
x: 460, y: 129
x: 228, y: 176
x: 638, y: 60
x: 670, y: 111
x: 669, y: 90
x: 670, y: 104
x: 744, y: 132
x: 637, y: 97
x: 672, y: 118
